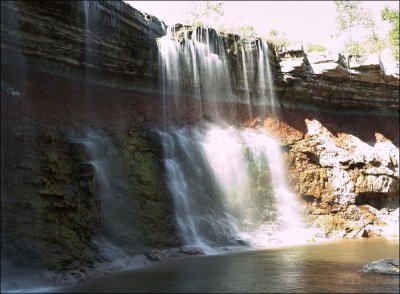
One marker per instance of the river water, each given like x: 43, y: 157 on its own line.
x: 326, y: 267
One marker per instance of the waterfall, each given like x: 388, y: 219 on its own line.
x: 194, y: 66
x: 119, y: 220
x: 229, y: 188
x: 289, y: 224
x: 264, y: 82
x: 200, y: 213
x: 91, y: 13
x: 169, y: 58
x: 87, y: 26
x: 246, y: 58
x: 228, y: 184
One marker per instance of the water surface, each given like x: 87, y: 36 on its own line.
x: 329, y: 267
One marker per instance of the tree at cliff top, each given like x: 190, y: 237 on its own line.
x: 210, y: 13
x: 205, y: 13
x: 278, y: 40
x: 352, y: 19
x: 393, y: 16
x: 246, y: 32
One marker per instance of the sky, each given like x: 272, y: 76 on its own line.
x: 306, y: 21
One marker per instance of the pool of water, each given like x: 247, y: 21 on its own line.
x: 328, y: 267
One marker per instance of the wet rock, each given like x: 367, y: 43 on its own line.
x: 132, y: 57
x: 383, y: 266
x: 67, y: 279
x: 165, y: 254
x: 192, y: 250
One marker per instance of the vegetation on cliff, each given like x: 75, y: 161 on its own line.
x: 393, y: 16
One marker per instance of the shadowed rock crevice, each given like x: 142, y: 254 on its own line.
x: 378, y: 200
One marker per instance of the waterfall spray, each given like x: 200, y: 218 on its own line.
x: 217, y: 195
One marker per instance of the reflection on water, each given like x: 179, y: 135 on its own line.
x: 329, y: 267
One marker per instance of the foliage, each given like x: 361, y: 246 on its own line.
x: 205, y: 13
x: 357, y: 49
x: 209, y: 13
x: 315, y: 48
x: 261, y: 186
x: 246, y: 32
x: 374, y: 44
x: 392, y: 16
x: 350, y: 18
x: 278, y: 39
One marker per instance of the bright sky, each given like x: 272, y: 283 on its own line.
x: 307, y: 21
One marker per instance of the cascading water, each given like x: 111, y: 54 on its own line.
x: 169, y: 74
x: 265, y: 82
x: 200, y: 213
x: 197, y: 68
x: 194, y: 64
x: 289, y: 226
x: 119, y: 221
x: 228, y: 185
x: 90, y: 11
x: 246, y: 62
x: 229, y: 188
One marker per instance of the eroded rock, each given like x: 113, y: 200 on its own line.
x: 343, y: 175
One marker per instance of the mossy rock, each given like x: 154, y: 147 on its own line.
x: 142, y: 154
x: 56, y: 221
x: 69, y: 212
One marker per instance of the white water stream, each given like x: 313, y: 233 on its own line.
x: 195, y: 64
x: 228, y: 185
x: 229, y: 188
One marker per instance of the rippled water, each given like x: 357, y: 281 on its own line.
x: 329, y: 267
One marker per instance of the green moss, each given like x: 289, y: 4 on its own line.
x: 71, y: 244
x: 141, y: 164
x: 49, y: 189
x: 141, y: 156
x: 66, y: 213
x: 332, y: 223
x: 261, y: 183
x: 67, y: 209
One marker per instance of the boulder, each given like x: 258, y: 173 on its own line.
x: 383, y: 266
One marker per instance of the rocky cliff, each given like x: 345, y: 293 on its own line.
x: 110, y: 44
x: 70, y: 65
x: 342, y: 147
x: 329, y: 79
x: 350, y: 187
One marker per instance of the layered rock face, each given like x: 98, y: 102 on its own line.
x: 343, y: 162
x: 109, y: 45
x: 328, y: 79
x: 350, y: 187
x: 67, y: 66
x: 105, y: 42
